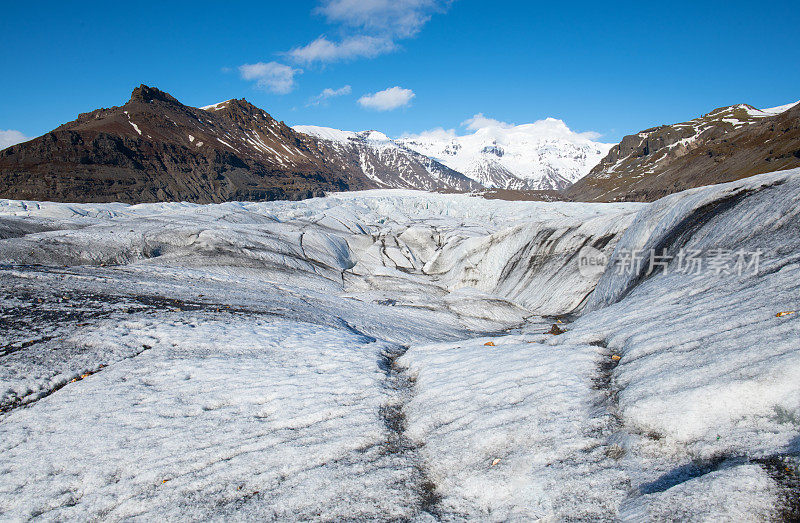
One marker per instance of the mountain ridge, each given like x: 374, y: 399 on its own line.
x: 154, y: 148
x: 388, y: 164
x: 543, y: 155
x: 723, y: 145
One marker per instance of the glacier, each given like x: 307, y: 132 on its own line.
x: 387, y: 355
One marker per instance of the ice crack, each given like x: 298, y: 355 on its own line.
x: 398, y: 443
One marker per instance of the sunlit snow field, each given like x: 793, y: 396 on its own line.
x: 328, y: 359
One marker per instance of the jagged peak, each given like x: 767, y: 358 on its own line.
x: 240, y: 104
x: 147, y: 94
x: 243, y: 103
x: 241, y: 107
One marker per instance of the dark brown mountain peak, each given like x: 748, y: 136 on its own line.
x: 154, y: 148
x: 147, y: 94
x: 245, y: 115
x: 243, y: 105
x: 237, y: 107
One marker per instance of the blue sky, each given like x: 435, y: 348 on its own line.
x: 611, y: 68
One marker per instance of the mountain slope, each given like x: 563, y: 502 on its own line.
x: 387, y: 164
x: 154, y: 148
x: 726, y: 144
x: 538, y: 156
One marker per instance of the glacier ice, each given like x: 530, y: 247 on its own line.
x: 331, y: 359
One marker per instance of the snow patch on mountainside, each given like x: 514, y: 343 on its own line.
x: 216, y: 107
x: 372, y: 138
x: 325, y: 133
x: 772, y: 111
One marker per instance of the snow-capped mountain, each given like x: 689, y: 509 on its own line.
x: 154, y: 148
x: 385, y: 163
x: 537, y: 156
x: 726, y: 144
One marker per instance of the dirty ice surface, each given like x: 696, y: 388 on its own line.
x: 328, y: 359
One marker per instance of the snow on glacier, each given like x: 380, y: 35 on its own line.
x: 510, y: 431
x: 375, y: 243
x: 328, y: 359
x: 272, y: 419
x: 704, y: 390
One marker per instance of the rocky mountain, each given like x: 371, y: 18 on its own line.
x: 544, y: 155
x: 154, y: 148
x: 727, y: 144
x: 386, y: 163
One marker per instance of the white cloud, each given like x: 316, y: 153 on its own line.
x: 387, y: 99
x: 270, y: 76
x: 549, y: 127
x: 328, y: 93
x: 370, y: 28
x: 401, y: 18
x: 324, y: 50
x: 591, y: 135
x: 479, y: 121
x: 11, y: 137
x: 438, y: 134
